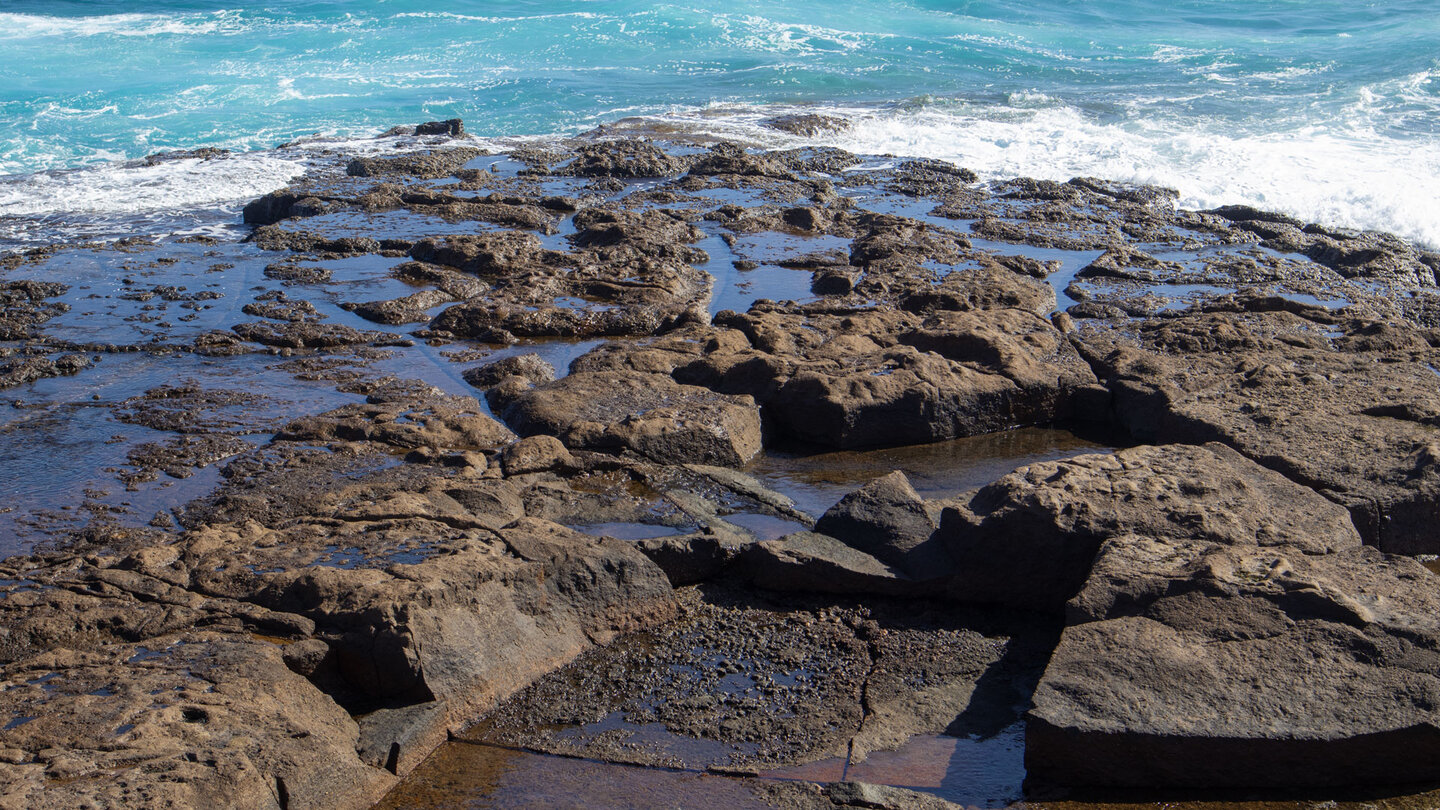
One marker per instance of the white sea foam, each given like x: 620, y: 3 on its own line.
x: 451, y: 15
x: 1358, y: 179
x: 1348, y: 176
x: 753, y: 33
x: 134, y: 188
x: 108, y: 200
x: 26, y: 26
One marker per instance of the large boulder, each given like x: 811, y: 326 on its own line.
x: 1029, y: 539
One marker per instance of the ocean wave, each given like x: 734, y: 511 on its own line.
x: 755, y: 33
x: 1017, y: 44
x: 135, y: 187
x: 1359, y: 180
x: 170, y: 196
x: 286, y: 91
x: 451, y: 15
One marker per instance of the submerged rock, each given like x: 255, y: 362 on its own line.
x: 22, y: 370
x: 807, y: 125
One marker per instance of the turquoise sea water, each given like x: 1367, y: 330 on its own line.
x: 1322, y: 108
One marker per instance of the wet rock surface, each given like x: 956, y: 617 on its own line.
x: 454, y: 433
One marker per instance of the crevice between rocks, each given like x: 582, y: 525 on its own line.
x: 866, y: 710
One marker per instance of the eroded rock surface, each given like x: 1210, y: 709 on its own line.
x: 185, y: 720
x: 1242, y: 667
x: 1029, y: 539
x: 649, y: 414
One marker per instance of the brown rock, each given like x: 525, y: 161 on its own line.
x: 423, y: 165
x: 307, y: 335
x: 534, y: 454
x: 530, y: 367
x: 409, y: 309
x: 1343, y: 415
x: 807, y: 561
x: 650, y: 414
x: 1029, y: 539
x: 199, y: 719
x: 433, y: 419
x: 886, y: 518
x: 1208, y: 666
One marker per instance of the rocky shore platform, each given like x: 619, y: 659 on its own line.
x: 646, y: 469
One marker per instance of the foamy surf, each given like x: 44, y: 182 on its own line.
x: 28, y: 26
x: 1358, y: 179
x: 135, y: 187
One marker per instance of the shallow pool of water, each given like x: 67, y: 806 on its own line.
x: 816, y: 480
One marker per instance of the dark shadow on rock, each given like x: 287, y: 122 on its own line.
x: 1003, y: 692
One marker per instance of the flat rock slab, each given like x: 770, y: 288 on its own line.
x: 1250, y: 668
x: 740, y: 681
x: 650, y: 414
